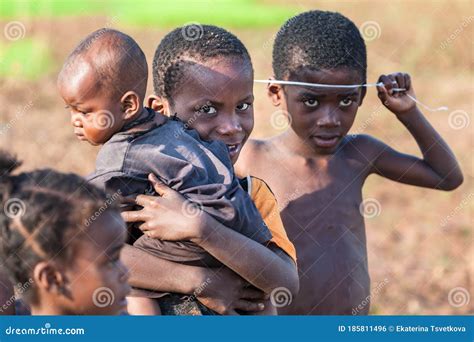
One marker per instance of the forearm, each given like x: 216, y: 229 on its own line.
x: 254, y: 262
x: 153, y: 273
x: 436, y: 152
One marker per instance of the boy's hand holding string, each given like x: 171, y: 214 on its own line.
x: 438, y: 168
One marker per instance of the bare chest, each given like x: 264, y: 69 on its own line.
x: 318, y: 201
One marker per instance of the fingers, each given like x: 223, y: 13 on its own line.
x: 396, y: 86
x: 134, y: 216
x: 400, y: 79
x: 160, y: 187
x: 395, y: 80
x: 128, y: 200
x: 246, y: 305
x: 383, y: 91
x: 407, y: 81
x: 144, y: 227
x: 387, y: 81
x: 392, y: 82
x: 145, y: 200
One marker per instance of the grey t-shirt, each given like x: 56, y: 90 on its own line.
x: 200, y: 170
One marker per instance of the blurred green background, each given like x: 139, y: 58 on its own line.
x: 157, y: 13
x: 141, y: 13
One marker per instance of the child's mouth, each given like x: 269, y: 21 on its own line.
x: 79, y: 134
x: 234, y: 149
x: 326, y: 140
x: 81, y: 137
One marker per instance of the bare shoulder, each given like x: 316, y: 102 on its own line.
x: 253, y: 155
x: 363, y: 146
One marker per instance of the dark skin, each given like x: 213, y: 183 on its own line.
x: 68, y: 287
x: 220, y: 111
x: 317, y: 173
x: 89, y: 105
x: 96, y: 113
x: 225, y: 293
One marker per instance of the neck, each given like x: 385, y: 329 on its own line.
x: 296, y: 146
x: 138, y: 115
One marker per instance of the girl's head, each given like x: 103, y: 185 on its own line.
x: 60, y: 241
x: 204, y: 75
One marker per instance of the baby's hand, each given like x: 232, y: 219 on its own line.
x: 396, y: 101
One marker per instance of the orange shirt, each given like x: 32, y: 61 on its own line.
x: 267, y: 206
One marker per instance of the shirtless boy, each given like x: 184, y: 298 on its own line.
x: 317, y: 171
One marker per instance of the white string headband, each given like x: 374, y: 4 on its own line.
x: 350, y: 86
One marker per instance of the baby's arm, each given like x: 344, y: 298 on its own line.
x: 438, y: 169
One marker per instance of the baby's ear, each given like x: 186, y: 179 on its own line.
x: 130, y: 104
x: 274, y: 92
x: 158, y: 104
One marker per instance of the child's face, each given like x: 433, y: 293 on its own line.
x: 321, y: 117
x: 98, y: 279
x: 95, y: 115
x: 217, y: 101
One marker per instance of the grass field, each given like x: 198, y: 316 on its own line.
x: 420, y: 245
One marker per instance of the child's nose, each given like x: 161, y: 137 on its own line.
x: 230, y: 126
x: 329, y: 118
x: 76, y: 120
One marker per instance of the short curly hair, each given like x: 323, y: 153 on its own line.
x: 189, y: 44
x: 318, y: 40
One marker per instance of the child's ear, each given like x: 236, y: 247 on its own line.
x: 275, y: 92
x: 47, y: 277
x: 130, y: 104
x: 158, y: 104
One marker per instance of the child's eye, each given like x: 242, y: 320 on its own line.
x: 86, y: 115
x: 207, y: 109
x: 244, y: 106
x: 80, y: 111
x: 311, y: 103
x: 346, y: 102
